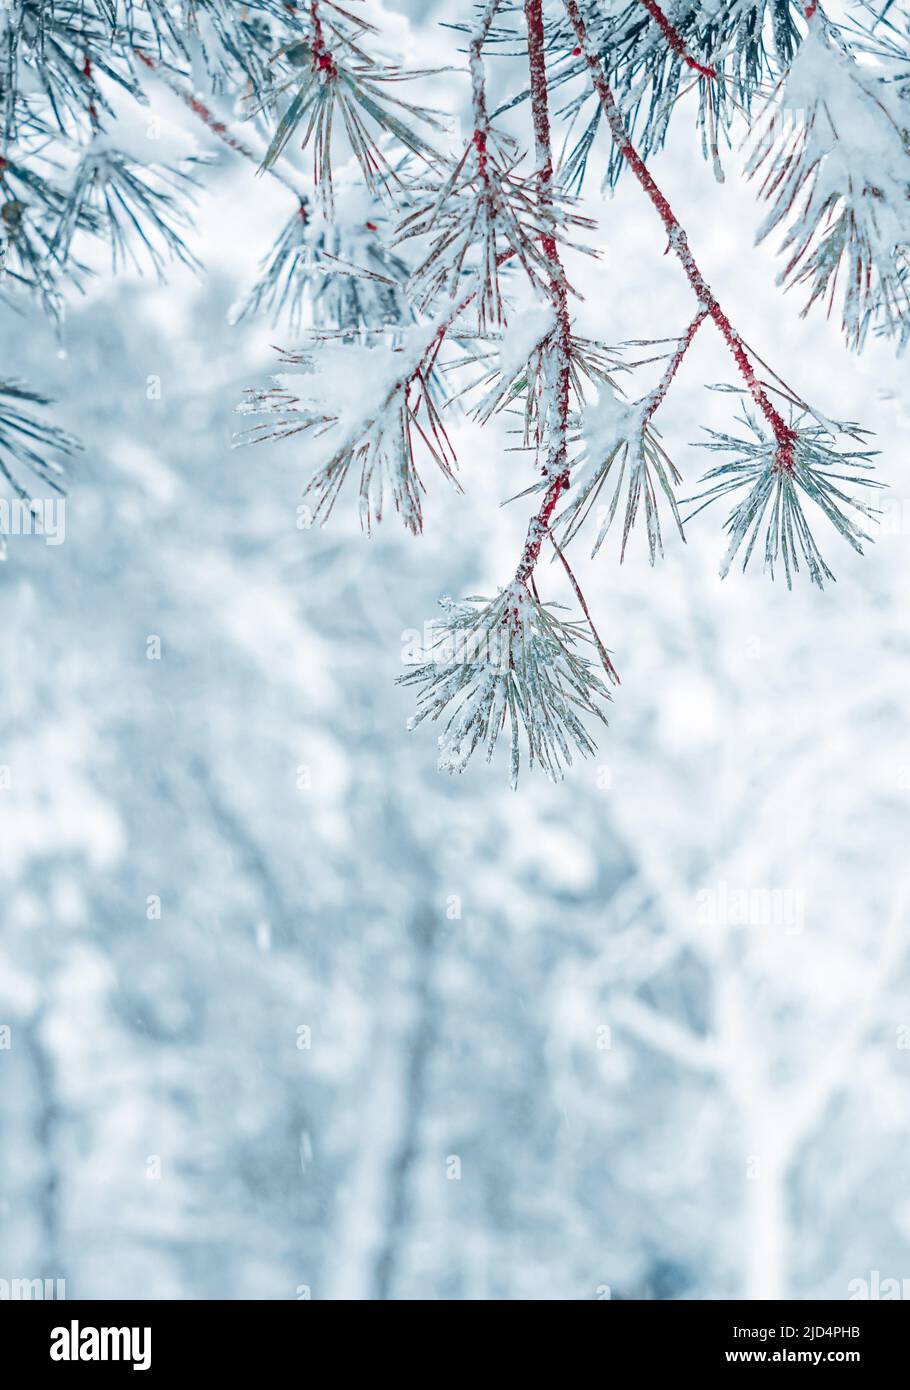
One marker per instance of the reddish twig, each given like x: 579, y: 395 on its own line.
x: 212, y: 122
x: 784, y: 436
x: 87, y: 74
x: 675, y: 39
x: 556, y: 467
x: 322, y: 58
x: 601, y: 649
x: 663, y: 386
x: 478, y: 84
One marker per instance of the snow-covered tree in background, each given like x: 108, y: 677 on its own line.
x: 434, y: 277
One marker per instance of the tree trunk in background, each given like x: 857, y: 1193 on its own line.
x: 375, y: 1203
x: 765, y: 1273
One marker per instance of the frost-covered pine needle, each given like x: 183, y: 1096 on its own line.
x: 620, y: 456
x: 518, y: 373
x: 331, y: 76
x: 342, y: 272
x: 835, y: 167
x: 27, y: 442
x: 510, y: 661
x: 480, y: 218
x: 137, y: 205
x: 370, y: 408
x: 775, y: 498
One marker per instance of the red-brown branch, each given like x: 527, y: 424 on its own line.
x: 602, y: 652
x: 784, y: 436
x: 322, y: 58
x: 478, y: 84
x: 556, y: 466
x: 212, y: 122
x: 685, y: 342
x: 675, y: 39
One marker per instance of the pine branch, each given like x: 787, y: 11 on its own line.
x: 509, y: 661
x: 374, y: 421
x: 678, y: 242
x: 218, y: 127
x: 844, y: 200
x: 657, y: 396
x: 342, y: 80
x: 556, y: 465
x: 28, y: 443
x: 403, y: 272
x: 774, y: 497
x: 128, y: 202
x: 675, y: 40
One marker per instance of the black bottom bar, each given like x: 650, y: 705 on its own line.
x: 104, y: 1338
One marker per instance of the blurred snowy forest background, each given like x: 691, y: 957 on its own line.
x: 394, y: 1035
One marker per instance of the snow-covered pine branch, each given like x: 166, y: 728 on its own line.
x: 833, y: 160
x: 329, y: 83
x: 509, y: 662
x: 334, y: 272
x: 371, y: 410
x: 80, y: 161
x: 421, y: 268
x: 655, y: 54
x: 29, y: 446
x: 774, y: 496
x: 477, y: 221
